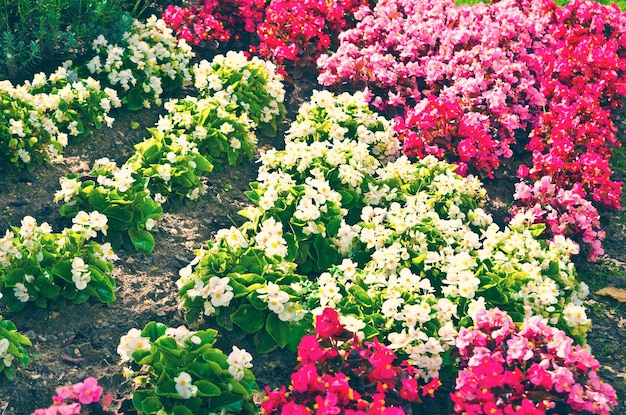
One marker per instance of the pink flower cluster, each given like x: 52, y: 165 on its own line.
x: 582, y: 74
x: 475, y: 84
x: 532, y: 370
x: 215, y: 22
x: 300, y: 31
x: 431, y: 60
x: 81, y: 398
x: 565, y: 212
x: 288, y: 31
x: 339, y: 375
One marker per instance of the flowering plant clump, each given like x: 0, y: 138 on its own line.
x: 38, y: 265
x: 214, y: 23
x: 121, y: 195
x: 172, y: 165
x: 573, y: 139
x: 565, y: 212
x: 248, y: 287
x: 12, y: 344
x: 338, y: 373
x: 534, y: 369
x: 436, y: 227
x: 251, y: 85
x: 146, y: 62
x: 75, y: 105
x: 180, y: 372
x: 220, y: 135
x: 26, y: 135
x: 318, y: 182
x: 295, y: 32
x: 459, y: 80
x: 81, y: 398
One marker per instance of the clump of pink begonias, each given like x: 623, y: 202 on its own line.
x: 81, y: 398
x: 535, y: 369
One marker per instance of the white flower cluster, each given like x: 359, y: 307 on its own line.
x: 201, y: 119
x: 131, y: 342
x: 215, y: 293
x: 270, y: 238
x: 329, y: 117
x: 212, y: 79
x: 237, y: 360
x: 148, y: 55
x: 7, y: 358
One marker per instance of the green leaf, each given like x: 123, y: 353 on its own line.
x: 142, y: 240
x: 264, y: 342
x: 279, y: 330
x: 46, y: 288
x: 202, y: 164
x: 360, y: 294
x: 14, y: 276
x: 103, y: 291
x: 97, y: 201
x: 144, y: 403
x: 63, y: 270
x: 122, y: 213
x: 206, y: 388
x: 153, y: 330
x: 248, y: 318
x: 181, y: 410
x: 326, y: 254
x: 134, y: 99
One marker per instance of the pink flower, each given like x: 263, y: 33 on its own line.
x: 88, y: 391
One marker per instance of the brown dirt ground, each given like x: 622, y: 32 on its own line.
x: 146, y: 283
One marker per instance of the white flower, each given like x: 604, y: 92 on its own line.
x: 4, y: 346
x: 165, y: 171
x: 131, y: 342
x: 575, y: 315
x: 81, y: 280
x: 150, y: 224
x: 237, y: 360
x: 184, y: 387
x: 8, y: 360
x: 21, y: 292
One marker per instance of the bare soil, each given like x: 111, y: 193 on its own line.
x: 77, y: 341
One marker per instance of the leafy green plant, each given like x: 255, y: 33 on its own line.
x: 76, y: 106
x: 12, y: 344
x: 26, y: 135
x: 33, y: 32
x: 120, y: 194
x: 173, y: 166
x: 40, y: 266
x: 181, y: 373
x: 247, y: 288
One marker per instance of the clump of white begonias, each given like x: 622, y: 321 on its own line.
x: 146, y: 62
x: 119, y: 193
x: 248, y: 86
x: 27, y: 135
x: 179, y: 368
x: 40, y: 266
x: 220, y: 133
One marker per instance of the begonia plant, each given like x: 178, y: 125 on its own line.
x: 40, y: 266
x: 178, y: 371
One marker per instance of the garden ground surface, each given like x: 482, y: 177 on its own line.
x: 76, y: 341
